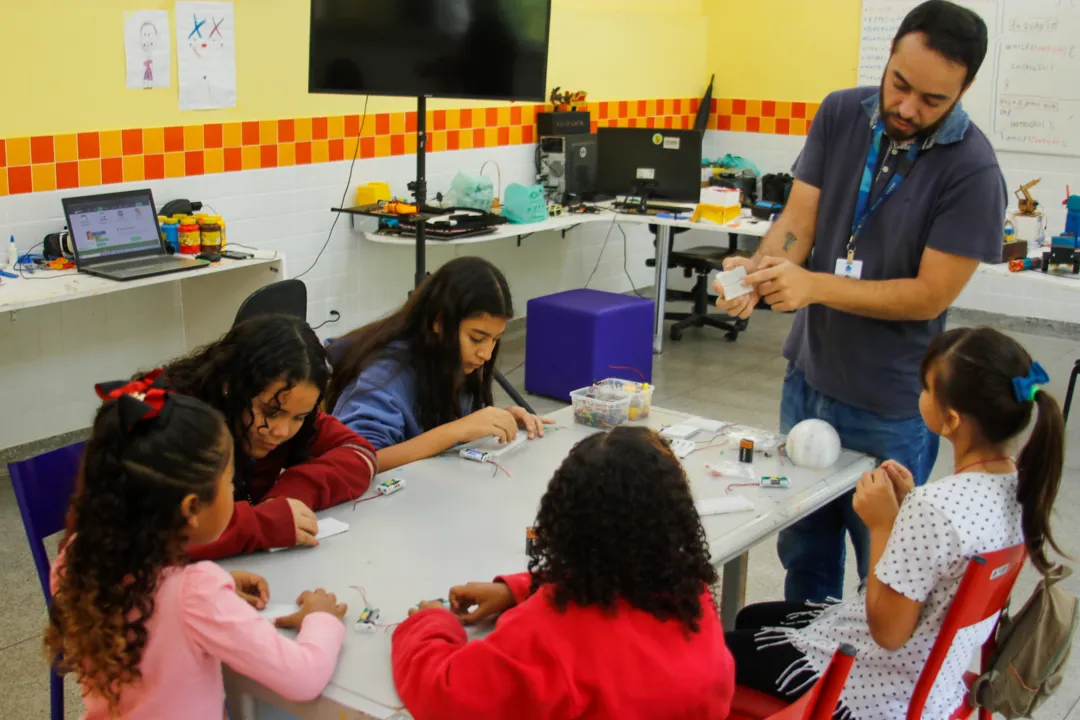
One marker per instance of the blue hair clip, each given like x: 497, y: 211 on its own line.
x: 1025, y: 387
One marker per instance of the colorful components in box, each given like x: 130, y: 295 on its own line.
x: 611, y: 402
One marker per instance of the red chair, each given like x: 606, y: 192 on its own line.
x: 817, y: 703
x: 983, y: 592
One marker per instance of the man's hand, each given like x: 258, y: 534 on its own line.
x: 785, y: 286
x: 742, y: 306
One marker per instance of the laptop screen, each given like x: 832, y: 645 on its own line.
x: 117, y: 224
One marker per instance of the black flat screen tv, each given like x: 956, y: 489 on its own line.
x: 481, y: 49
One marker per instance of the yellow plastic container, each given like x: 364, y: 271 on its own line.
x: 372, y: 193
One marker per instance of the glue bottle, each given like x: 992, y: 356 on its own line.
x: 12, y: 254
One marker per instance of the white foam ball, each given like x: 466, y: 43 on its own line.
x: 813, y: 444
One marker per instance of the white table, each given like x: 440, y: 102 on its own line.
x: 566, y: 223
x: 456, y: 521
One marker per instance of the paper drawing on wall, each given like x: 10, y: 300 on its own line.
x: 146, y: 49
x: 206, y: 55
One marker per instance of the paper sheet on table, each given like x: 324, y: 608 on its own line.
x: 147, y: 58
x: 206, y: 55
x: 327, y: 528
x: 273, y: 612
x: 723, y: 505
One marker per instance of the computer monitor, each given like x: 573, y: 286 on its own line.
x: 106, y: 226
x: 664, y: 164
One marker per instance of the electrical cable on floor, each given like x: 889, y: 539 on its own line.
x: 344, y: 193
x: 611, y: 227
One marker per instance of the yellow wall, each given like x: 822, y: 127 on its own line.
x: 796, y: 50
x: 62, y: 62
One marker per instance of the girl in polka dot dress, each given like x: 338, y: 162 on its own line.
x: 980, y: 391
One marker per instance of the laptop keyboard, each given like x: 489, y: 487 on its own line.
x: 142, y: 264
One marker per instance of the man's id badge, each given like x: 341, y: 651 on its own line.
x: 849, y: 268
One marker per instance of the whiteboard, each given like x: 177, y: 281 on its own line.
x: 1026, y: 97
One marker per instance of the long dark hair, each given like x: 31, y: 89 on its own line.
x: 462, y: 288
x: 973, y: 369
x: 128, y: 527
x: 230, y: 373
x: 618, y: 521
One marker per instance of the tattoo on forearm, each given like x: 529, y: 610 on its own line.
x: 789, y: 240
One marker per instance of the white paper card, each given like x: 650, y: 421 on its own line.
x: 146, y: 49
x: 671, y: 143
x: 723, y: 505
x: 327, y: 528
x: 206, y: 55
x: 847, y: 269
x: 732, y: 282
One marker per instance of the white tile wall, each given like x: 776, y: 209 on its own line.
x: 50, y: 357
x: 991, y: 289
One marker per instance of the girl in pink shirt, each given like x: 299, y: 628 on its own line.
x: 145, y: 631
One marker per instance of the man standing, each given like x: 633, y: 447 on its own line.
x: 897, y: 197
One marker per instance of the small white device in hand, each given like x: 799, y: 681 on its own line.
x: 732, y: 282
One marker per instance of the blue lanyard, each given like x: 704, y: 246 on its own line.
x: 863, y: 208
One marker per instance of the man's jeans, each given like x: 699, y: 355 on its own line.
x: 813, y: 549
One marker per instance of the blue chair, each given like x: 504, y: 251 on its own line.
x: 43, y: 488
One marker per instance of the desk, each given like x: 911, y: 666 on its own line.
x: 565, y: 223
x: 455, y: 521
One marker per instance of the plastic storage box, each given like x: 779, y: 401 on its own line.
x: 640, y: 395
x: 601, y: 407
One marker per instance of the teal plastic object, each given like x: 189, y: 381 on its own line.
x: 736, y: 162
x: 471, y: 191
x: 524, y: 204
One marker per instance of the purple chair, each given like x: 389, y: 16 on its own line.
x: 43, y: 488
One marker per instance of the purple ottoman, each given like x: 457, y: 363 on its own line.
x: 577, y: 337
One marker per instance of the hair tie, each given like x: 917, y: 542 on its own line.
x: 1025, y: 388
x: 138, y: 400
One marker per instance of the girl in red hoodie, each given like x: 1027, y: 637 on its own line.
x: 267, y: 376
x: 615, y: 617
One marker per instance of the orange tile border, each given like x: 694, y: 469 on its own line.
x: 87, y: 159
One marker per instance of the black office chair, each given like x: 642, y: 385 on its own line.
x: 700, y: 261
x: 289, y: 297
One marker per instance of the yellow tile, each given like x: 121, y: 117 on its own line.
x: 111, y: 144
x: 453, y: 122
x: 3, y: 184
x: 783, y: 109
x: 723, y: 106
x: 89, y: 173
x: 268, y: 132
x: 250, y: 157
x: 286, y: 154
x: 351, y: 149
x: 811, y: 111
x: 320, y: 151
x: 397, y: 123
x: 753, y: 108
x: 232, y: 135
x: 302, y: 129
x: 382, y: 146
x: 712, y: 122
x: 367, y: 125
x: 504, y: 117
x: 134, y: 168
x: 738, y: 123
x: 43, y: 177
x: 515, y: 134
x: 437, y: 141
x: 153, y: 141
x: 174, y: 165
x: 213, y: 160
x: 798, y: 126
x: 410, y: 143
x: 335, y: 127
x: 193, y: 137
x: 465, y: 140
x: 18, y: 151
x: 491, y: 137
x: 650, y: 108
x: 768, y: 126
x: 66, y: 148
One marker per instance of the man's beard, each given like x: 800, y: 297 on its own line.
x: 904, y: 136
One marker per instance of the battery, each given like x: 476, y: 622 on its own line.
x: 475, y: 455
x: 775, y: 481
x: 390, y: 486
x: 746, y: 450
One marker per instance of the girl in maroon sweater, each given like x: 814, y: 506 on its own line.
x: 267, y: 376
x: 614, y: 619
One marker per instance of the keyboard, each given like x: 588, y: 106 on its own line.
x: 653, y: 208
x: 143, y: 264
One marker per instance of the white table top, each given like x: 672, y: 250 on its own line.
x: 35, y: 290
x: 456, y: 521
x: 742, y: 226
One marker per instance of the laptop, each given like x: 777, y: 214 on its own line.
x: 116, y: 236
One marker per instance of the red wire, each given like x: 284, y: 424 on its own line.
x: 363, y: 500
x: 627, y: 367
x: 735, y: 485
x: 500, y: 467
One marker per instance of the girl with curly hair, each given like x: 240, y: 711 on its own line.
x: 615, y: 617
x: 418, y: 382
x: 145, y: 631
x: 268, y: 376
